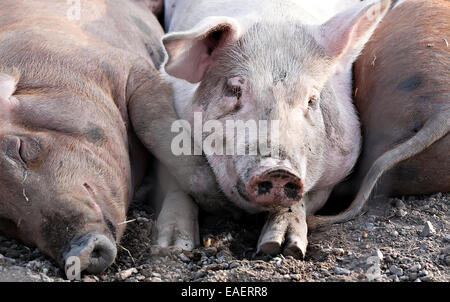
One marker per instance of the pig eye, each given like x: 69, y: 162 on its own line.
x: 14, y: 148
x: 234, y: 91
x: 28, y: 150
x: 312, y: 101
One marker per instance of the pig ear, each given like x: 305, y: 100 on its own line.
x: 345, y: 35
x: 8, y: 85
x: 191, y: 53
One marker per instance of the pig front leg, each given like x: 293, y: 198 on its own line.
x: 152, y: 114
x: 177, y: 223
x: 285, y: 226
x: 289, y: 227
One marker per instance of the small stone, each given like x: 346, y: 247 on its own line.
x: 447, y: 238
x: 398, y: 203
x: 234, y: 265
x: 295, y: 276
x: 401, y: 213
x: 370, y: 226
x: 338, y: 251
x: 394, y: 278
x: 127, y: 273
x: 365, y: 235
x: 415, y: 268
x: 157, y: 275
x: 341, y: 271
x: 428, y: 230
x: 156, y: 279
x: 418, y: 280
x: 184, y: 258
x: 396, y: 270
x: 379, y: 254
x: 199, y: 274
x: 423, y: 273
x: 210, y: 251
x: 140, y: 278
x: 413, y: 276
x: 426, y: 278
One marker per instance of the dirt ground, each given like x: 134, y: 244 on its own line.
x: 396, y: 240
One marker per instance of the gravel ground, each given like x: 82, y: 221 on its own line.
x: 396, y: 240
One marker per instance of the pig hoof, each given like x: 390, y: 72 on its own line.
x: 176, y: 239
x: 284, y: 229
x: 179, y: 234
x: 296, y: 249
x: 270, y: 248
x: 293, y: 248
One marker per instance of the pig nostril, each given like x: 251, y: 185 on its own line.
x: 264, y: 187
x: 96, y: 253
x: 291, y: 190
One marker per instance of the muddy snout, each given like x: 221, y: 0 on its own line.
x: 278, y: 186
x: 92, y: 252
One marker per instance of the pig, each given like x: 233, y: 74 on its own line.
x: 402, y: 94
x: 262, y: 61
x: 69, y: 158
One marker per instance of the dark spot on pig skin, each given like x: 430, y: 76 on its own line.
x: 58, y: 230
x: 95, y: 134
x: 410, y: 84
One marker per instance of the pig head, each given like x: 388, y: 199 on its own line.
x: 288, y: 73
x: 61, y: 190
x: 69, y: 160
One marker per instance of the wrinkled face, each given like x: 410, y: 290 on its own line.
x: 61, y: 189
x: 282, y: 87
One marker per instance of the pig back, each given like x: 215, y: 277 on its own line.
x: 401, y: 82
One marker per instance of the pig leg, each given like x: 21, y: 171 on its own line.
x: 150, y: 106
x: 285, y: 226
x: 177, y: 223
x: 289, y: 226
x: 432, y: 131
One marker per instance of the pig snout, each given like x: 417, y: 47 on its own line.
x: 275, y: 187
x: 92, y: 252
